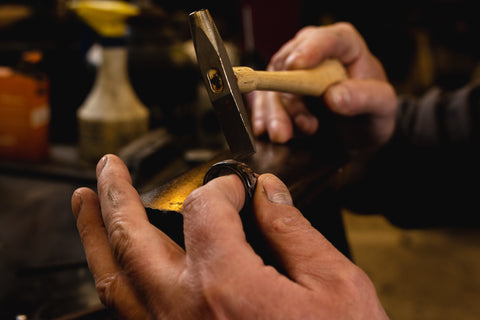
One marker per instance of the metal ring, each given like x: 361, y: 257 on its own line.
x: 244, y: 172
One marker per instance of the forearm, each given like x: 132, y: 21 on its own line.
x: 423, y: 176
x: 440, y: 120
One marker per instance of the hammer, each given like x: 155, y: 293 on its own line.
x: 225, y: 83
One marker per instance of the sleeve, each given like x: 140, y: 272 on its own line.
x: 427, y: 174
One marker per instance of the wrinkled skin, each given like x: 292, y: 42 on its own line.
x: 365, y: 96
x: 140, y: 273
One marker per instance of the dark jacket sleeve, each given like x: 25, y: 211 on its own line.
x: 428, y: 174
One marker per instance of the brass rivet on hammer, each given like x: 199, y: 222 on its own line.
x: 215, y: 80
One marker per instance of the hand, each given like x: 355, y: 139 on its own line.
x: 365, y: 92
x: 141, y: 274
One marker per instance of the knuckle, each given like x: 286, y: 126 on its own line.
x: 354, y: 281
x: 120, y: 238
x: 305, y: 31
x: 290, y: 223
x: 196, y: 201
x: 343, y: 28
x: 107, y: 288
x: 347, y: 26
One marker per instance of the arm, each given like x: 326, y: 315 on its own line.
x: 422, y: 153
x: 427, y: 174
x: 141, y: 274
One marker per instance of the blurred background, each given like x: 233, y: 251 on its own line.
x: 43, y: 274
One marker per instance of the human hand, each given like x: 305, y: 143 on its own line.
x: 365, y: 92
x: 140, y: 273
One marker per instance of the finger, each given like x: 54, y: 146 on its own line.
x: 278, y: 121
x: 258, y: 112
x: 277, y: 62
x: 114, y: 290
x: 301, y: 249
x: 269, y: 115
x: 355, y: 97
x: 291, y: 55
x: 214, y: 237
x: 315, y: 44
x: 274, y: 113
x: 141, y: 249
x: 304, y: 120
x: 86, y: 209
x: 341, y: 41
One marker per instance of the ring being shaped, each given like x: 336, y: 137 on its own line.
x: 244, y: 172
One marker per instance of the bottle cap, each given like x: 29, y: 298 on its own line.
x: 107, y: 18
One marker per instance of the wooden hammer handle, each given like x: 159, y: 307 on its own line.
x: 311, y: 82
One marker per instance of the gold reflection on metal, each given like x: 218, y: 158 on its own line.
x: 171, y: 196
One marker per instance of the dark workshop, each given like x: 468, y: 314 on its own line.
x: 239, y: 159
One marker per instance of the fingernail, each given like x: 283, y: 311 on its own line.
x: 278, y: 132
x: 77, y: 203
x: 291, y: 60
x: 276, y: 190
x: 295, y: 60
x: 101, y: 164
x: 258, y: 127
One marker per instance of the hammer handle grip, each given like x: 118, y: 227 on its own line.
x: 311, y: 82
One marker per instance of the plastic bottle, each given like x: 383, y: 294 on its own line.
x: 112, y: 115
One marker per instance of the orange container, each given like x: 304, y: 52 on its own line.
x: 24, y: 115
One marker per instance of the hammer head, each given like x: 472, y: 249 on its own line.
x: 221, y: 83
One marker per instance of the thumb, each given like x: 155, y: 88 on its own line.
x: 300, y: 248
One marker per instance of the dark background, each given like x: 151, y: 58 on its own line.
x: 420, y: 43
x: 43, y: 273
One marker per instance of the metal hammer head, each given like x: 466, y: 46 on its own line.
x: 221, y: 83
